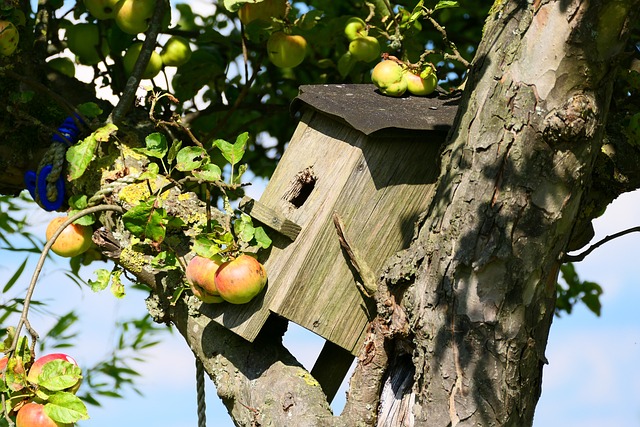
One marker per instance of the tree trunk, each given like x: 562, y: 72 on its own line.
x: 478, y: 283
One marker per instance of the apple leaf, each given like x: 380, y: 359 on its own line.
x: 205, y: 247
x: 233, y: 153
x: 117, y: 287
x: 241, y: 170
x: 146, y: 221
x: 77, y: 203
x: 208, y: 172
x: 173, y: 151
x: 261, y: 238
x: 90, y: 110
x: 243, y: 228
x: 80, y: 155
x: 58, y: 375
x: 102, y: 282
x: 156, y: 146
x: 234, y: 5
x: 65, y: 408
x: 190, y: 158
x: 444, y: 4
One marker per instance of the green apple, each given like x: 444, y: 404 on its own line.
x: 176, y: 51
x: 102, y: 9
x: 133, y: 16
x: 389, y: 77
x: 264, y: 11
x: 365, y: 48
x: 63, y: 65
x: 286, y: 50
x: 238, y: 281
x: 131, y: 56
x: 423, y: 84
x: 200, y: 274
x: 9, y: 38
x: 74, y: 240
x: 84, y: 41
x: 354, y: 28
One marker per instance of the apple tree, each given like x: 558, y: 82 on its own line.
x: 139, y: 118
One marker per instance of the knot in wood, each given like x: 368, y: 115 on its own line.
x: 573, y: 122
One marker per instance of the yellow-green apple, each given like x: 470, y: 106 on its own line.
x: 38, y: 365
x: 354, y: 28
x: 201, y: 275
x: 84, y: 40
x: 388, y: 76
x: 133, y: 16
x: 176, y: 51
x: 365, y: 48
x: 74, y: 240
x: 264, y: 11
x: 9, y: 38
x: 286, y: 50
x: 131, y: 56
x: 422, y: 84
x: 238, y: 281
x: 63, y: 65
x: 102, y: 9
x: 32, y: 415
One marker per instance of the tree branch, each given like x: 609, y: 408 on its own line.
x: 581, y: 256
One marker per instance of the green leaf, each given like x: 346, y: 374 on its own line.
x: 190, y: 158
x: 15, y: 276
x: 444, y: 4
x: 209, y: 172
x: 205, y: 246
x: 262, y: 239
x: 90, y: 110
x: 102, y: 282
x: 78, y: 203
x: 58, y: 375
x: 173, y: 151
x: 146, y: 221
x: 233, y: 153
x: 234, y: 5
x: 80, y: 155
x: 165, y: 261
x: 156, y: 146
x: 244, y: 228
x: 66, y: 408
x: 241, y: 170
x: 117, y: 287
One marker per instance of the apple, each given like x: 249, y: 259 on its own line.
x: 176, y: 51
x: 9, y: 38
x: 264, y: 11
x: 74, y: 240
x: 102, y: 9
x: 365, y: 48
x: 354, y: 28
x: 133, y: 16
x: 286, y: 50
x: 63, y: 65
x: 238, y: 281
x: 36, y: 368
x: 85, y: 42
x: 423, y: 84
x: 201, y: 274
x: 389, y: 77
x: 32, y: 415
x: 131, y: 56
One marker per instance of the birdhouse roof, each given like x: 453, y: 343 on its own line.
x: 362, y: 107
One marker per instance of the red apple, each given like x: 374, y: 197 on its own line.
x: 238, y: 281
x: 36, y: 368
x: 200, y: 274
x: 421, y: 84
x: 32, y: 415
x: 286, y: 50
x: 74, y: 239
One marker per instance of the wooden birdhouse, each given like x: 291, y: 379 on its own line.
x: 365, y: 159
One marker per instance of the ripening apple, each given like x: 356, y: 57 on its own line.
x: 423, y: 84
x: 63, y: 65
x: 388, y: 76
x: 176, y: 51
x: 365, y: 48
x: 9, y: 38
x: 32, y: 415
x: 354, y: 28
x: 133, y: 16
x: 201, y: 274
x: 131, y: 56
x: 238, y: 281
x: 36, y: 368
x: 102, y: 9
x: 83, y: 39
x: 286, y: 50
x: 264, y: 11
x: 74, y: 240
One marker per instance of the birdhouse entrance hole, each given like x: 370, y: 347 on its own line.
x: 301, y: 187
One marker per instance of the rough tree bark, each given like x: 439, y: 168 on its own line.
x: 464, y: 313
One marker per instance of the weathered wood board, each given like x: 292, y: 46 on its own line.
x: 378, y: 183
